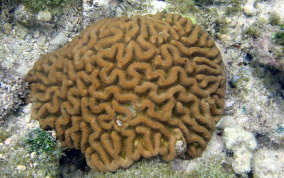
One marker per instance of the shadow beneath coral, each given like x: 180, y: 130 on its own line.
x: 72, y: 161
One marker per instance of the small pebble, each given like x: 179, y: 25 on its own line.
x: 41, y: 40
x: 27, y: 109
x: 53, y: 134
x: 7, y: 28
x: 33, y: 154
x: 58, y: 41
x: 21, y: 31
x: 8, y: 141
x: 225, y: 38
x: 21, y: 167
x: 36, y: 34
x: 44, y: 16
x: 28, y: 119
x: 227, y: 20
x: 248, y: 10
x: 229, y: 104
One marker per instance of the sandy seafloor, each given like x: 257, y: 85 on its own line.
x: 249, y: 139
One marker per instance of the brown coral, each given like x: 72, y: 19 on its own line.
x: 127, y: 88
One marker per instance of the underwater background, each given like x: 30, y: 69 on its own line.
x: 249, y: 138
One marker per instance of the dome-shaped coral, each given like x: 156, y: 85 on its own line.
x: 127, y: 88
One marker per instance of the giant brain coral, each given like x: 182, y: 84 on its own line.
x: 127, y: 88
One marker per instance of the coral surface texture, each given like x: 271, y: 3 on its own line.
x: 128, y: 88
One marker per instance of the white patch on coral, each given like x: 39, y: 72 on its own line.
x: 119, y: 122
x: 180, y: 147
x: 133, y: 110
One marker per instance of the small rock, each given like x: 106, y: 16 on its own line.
x: 249, y: 9
x: 57, y: 41
x: 227, y: 20
x: 21, y: 31
x: 242, y: 144
x: 21, y: 167
x: 268, y: 163
x: 1, y: 156
x: 28, y: 119
x: 41, y: 40
x: 44, y: 15
x: 53, y: 134
x: 27, y: 109
x: 28, y: 37
x: 225, y: 38
x: 7, y: 28
x: 229, y: 104
x: 23, y: 16
x: 33, y: 154
x: 8, y: 141
x: 36, y: 34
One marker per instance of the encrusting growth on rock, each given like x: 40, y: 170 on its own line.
x: 128, y: 88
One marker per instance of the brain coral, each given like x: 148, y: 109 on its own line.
x: 127, y: 88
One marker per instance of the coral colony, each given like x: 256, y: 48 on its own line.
x: 128, y: 88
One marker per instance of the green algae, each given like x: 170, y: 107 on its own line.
x: 274, y: 19
x: 38, y: 161
x: 40, y: 141
x: 3, y: 135
x: 253, y: 31
x: 278, y: 37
